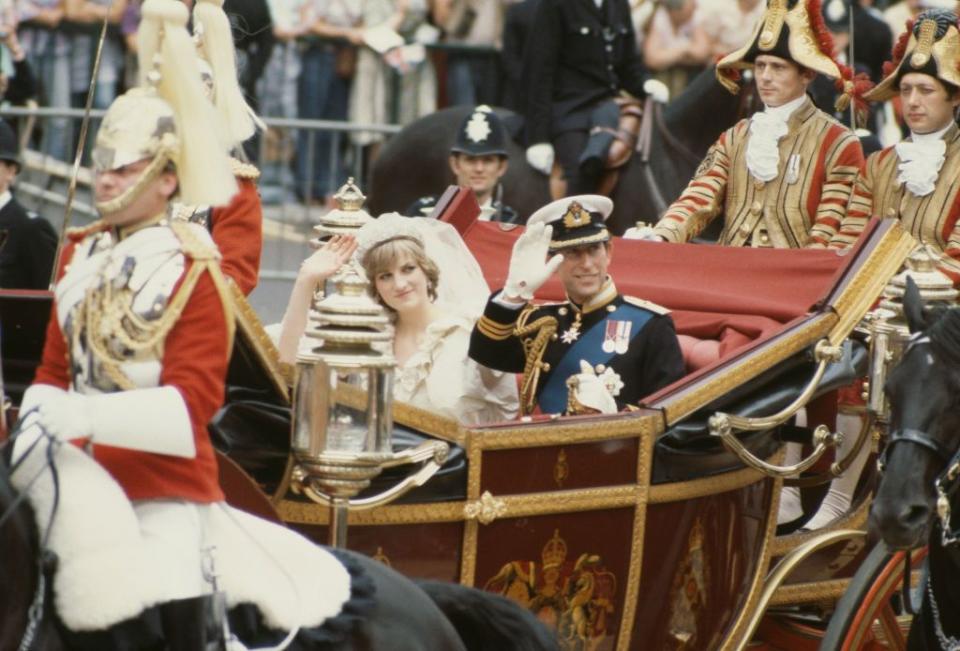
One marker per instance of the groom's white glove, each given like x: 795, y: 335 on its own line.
x: 529, y: 267
x: 595, y: 391
x: 541, y: 157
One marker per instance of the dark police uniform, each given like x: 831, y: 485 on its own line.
x: 28, y: 242
x: 578, y: 56
x: 634, y: 338
x: 480, y: 134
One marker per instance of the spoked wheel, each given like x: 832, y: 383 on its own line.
x: 870, y: 615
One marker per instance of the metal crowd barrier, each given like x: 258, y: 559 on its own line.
x: 44, y: 179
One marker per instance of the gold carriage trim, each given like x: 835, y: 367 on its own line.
x: 243, y: 170
x: 493, y: 330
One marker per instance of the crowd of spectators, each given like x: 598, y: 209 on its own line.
x: 368, y: 61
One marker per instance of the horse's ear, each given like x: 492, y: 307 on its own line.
x: 913, y: 307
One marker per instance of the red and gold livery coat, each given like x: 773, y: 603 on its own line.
x: 803, y: 207
x: 932, y: 219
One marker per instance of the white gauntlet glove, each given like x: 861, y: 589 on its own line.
x: 66, y: 416
x: 529, y: 267
x: 540, y: 157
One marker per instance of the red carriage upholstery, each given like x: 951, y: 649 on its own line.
x: 733, y: 296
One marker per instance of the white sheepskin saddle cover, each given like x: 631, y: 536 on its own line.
x: 104, y: 575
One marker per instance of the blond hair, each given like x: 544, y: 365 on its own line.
x: 386, y: 255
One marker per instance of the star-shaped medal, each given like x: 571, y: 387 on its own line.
x: 571, y: 334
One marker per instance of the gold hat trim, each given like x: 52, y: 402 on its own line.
x: 772, y: 25
x: 576, y: 216
x: 921, y: 55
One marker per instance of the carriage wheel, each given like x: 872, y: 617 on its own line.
x: 865, y: 617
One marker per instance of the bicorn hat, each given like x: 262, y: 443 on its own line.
x: 930, y: 45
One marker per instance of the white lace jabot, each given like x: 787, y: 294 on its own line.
x: 766, y: 130
x: 921, y: 158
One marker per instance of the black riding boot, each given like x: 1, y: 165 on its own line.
x: 192, y: 625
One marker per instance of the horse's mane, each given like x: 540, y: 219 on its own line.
x: 944, y: 333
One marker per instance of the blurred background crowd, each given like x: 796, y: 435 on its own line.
x: 376, y: 62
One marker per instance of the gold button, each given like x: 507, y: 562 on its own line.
x: 611, y: 308
x: 764, y: 238
x: 554, y: 337
x: 546, y: 367
x: 744, y: 230
x: 756, y: 208
x: 758, y: 184
x: 562, y: 311
x: 891, y: 212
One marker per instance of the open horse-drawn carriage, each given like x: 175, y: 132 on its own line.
x: 653, y: 528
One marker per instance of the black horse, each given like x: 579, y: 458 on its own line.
x: 392, y: 613
x: 920, y: 467
x: 414, y: 164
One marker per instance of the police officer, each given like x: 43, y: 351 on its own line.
x: 598, y: 351
x: 28, y: 242
x: 580, y: 56
x: 478, y: 160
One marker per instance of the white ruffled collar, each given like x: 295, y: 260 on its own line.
x: 921, y: 159
x: 766, y: 131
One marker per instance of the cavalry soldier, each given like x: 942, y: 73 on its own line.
x: 478, y: 160
x: 610, y: 350
x: 237, y: 228
x: 918, y: 180
x: 783, y: 177
x: 133, y: 369
x: 28, y: 242
x: 578, y: 59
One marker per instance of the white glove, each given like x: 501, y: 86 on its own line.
x: 529, y: 267
x: 596, y: 391
x: 644, y: 232
x: 541, y: 157
x: 148, y: 420
x: 66, y: 416
x: 657, y: 90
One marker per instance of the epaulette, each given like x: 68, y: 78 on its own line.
x: 77, y: 233
x: 243, y: 170
x: 646, y: 305
x: 193, y: 246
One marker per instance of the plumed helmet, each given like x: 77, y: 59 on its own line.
x: 168, y: 120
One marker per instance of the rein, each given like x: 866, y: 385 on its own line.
x: 44, y: 558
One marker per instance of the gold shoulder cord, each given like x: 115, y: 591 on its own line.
x: 105, y: 314
x: 534, y: 337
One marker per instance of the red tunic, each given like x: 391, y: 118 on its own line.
x: 195, y: 357
x: 237, y: 228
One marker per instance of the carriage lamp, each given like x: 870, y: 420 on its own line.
x: 347, y: 217
x: 887, y: 325
x: 342, y: 417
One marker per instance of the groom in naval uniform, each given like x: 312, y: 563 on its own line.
x: 596, y: 351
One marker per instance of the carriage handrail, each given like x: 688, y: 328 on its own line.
x: 839, y: 466
x: 723, y: 425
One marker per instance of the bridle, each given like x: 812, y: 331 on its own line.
x: 45, y: 558
x: 946, y: 484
